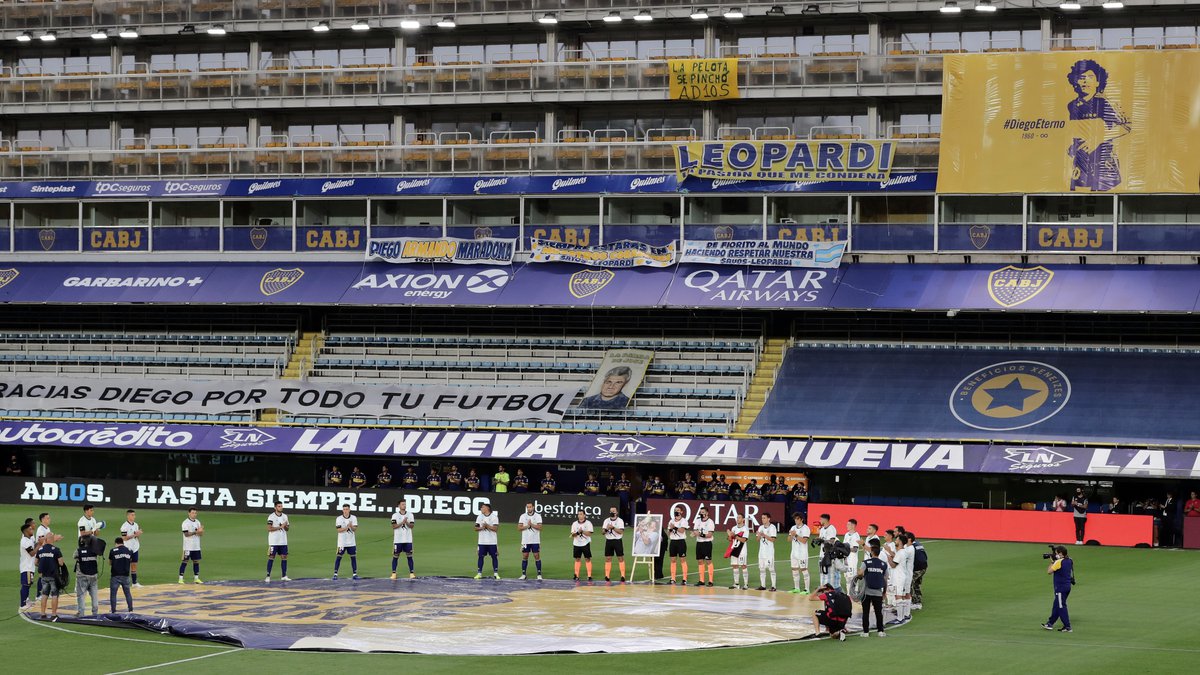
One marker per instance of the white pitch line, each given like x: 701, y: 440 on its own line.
x: 172, y: 663
x: 1067, y: 642
x: 64, y: 629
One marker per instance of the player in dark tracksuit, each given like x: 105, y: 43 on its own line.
x: 1063, y: 569
x: 873, y: 571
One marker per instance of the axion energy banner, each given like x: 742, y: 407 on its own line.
x: 620, y: 254
x: 836, y: 160
x: 1105, y: 121
x: 320, y: 398
x: 703, y: 79
x: 457, y: 251
x: 772, y: 253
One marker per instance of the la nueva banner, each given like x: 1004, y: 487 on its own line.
x: 836, y: 160
x: 321, y: 398
x: 620, y: 254
x: 704, y: 453
x: 766, y: 253
x: 448, y: 250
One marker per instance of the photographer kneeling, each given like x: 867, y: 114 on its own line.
x: 87, y: 571
x: 1063, y: 570
x: 838, y: 608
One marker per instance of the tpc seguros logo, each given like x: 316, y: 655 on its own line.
x: 621, y: 447
x: 1010, y: 395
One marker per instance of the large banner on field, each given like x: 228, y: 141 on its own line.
x: 319, y: 398
x: 378, y: 502
x: 833, y: 160
x: 458, y: 251
x: 1111, y: 121
x: 619, y: 254
x: 769, y: 253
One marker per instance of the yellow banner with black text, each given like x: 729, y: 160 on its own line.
x: 1111, y: 121
x: 703, y: 79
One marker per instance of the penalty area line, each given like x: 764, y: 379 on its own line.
x: 172, y: 663
x: 1064, y: 643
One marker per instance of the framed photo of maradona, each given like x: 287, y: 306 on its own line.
x: 647, y: 534
x: 620, y: 374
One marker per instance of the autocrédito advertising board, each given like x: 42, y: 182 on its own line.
x: 620, y: 254
x: 118, y: 495
x: 773, y: 253
x: 223, y: 396
x: 485, y: 251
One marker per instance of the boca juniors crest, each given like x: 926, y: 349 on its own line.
x: 7, y: 275
x: 46, y: 239
x: 1010, y: 395
x: 589, y: 282
x: 979, y: 235
x: 279, y: 280
x: 258, y: 237
x: 1010, y: 286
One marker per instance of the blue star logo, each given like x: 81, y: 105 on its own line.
x: 1012, y: 395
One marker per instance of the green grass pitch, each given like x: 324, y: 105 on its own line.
x: 1134, y: 610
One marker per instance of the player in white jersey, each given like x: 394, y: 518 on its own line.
x: 703, y: 528
x: 739, y: 538
x: 766, y: 534
x: 487, y: 524
x: 614, y: 543
x: 827, y: 534
x: 901, y: 562
x: 854, y: 541
x: 131, y: 532
x: 889, y: 550
x: 581, y: 544
x: 43, y: 534
x: 347, y: 542
x: 677, y: 532
x: 277, y: 541
x: 402, y: 537
x: 88, y: 525
x: 530, y: 526
x: 192, y: 529
x: 28, y: 564
x: 799, y: 535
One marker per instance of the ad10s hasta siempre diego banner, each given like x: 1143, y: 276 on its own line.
x: 793, y: 161
x: 318, y: 398
x: 1104, y: 121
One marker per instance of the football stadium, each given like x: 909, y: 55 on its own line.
x: 586, y: 335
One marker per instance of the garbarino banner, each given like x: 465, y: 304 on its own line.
x: 766, y: 253
x: 177, y: 396
x: 378, y: 502
x: 617, y: 255
x: 793, y: 161
x: 617, y: 448
x: 448, y: 250
x: 1104, y: 121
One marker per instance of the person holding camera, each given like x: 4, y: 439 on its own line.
x: 87, y: 571
x: 838, y: 608
x: 52, y: 576
x: 1062, y: 569
x: 120, y: 558
x: 677, y: 532
x: 826, y: 536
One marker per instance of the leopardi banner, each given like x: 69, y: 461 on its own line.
x: 1105, y: 121
x: 794, y: 161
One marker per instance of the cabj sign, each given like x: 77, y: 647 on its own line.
x: 853, y: 161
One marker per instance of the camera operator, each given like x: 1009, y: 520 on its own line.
x: 838, y: 608
x: 1062, y: 569
x: 120, y: 559
x: 87, y: 571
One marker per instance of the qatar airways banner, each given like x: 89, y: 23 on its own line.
x: 378, y: 502
x: 616, y: 448
x: 504, y: 404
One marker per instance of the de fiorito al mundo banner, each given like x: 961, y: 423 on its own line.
x: 1103, y: 121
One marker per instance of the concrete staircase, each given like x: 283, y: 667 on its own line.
x: 761, y: 384
x: 299, y: 364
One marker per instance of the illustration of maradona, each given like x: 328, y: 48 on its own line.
x: 1095, y: 161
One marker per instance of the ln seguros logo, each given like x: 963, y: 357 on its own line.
x: 621, y: 447
x: 1034, y: 459
x: 1010, y: 395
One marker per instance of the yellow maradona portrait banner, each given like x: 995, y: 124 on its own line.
x: 1104, y: 121
x: 703, y: 79
x: 867, y: 161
